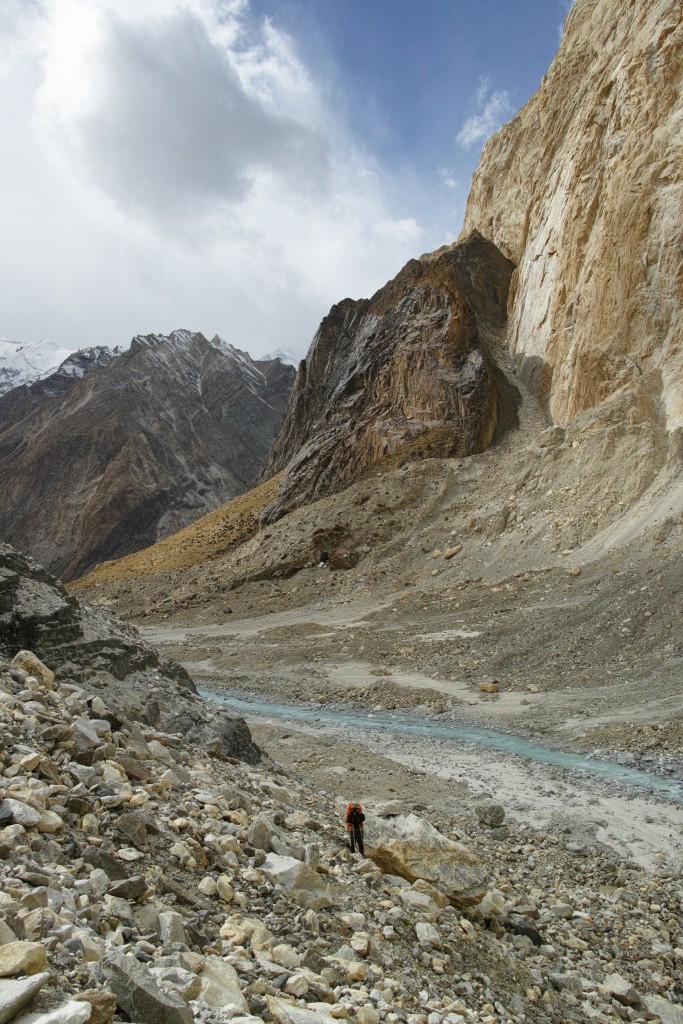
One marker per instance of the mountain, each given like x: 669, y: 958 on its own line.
x: 408, y: 373
x: 284, y: 356
x: 113, y: 452
x: 24, y: 363
x: 583, y: 191
x: 544, y: 556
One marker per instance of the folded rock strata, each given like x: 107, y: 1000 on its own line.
x: 406, y: 374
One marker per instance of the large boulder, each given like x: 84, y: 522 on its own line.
x: 305, y: 884
x: 138, y: 994
x: 221, y: 986
x: 410, y: 847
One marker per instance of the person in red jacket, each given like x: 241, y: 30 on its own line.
x: 354, y: 824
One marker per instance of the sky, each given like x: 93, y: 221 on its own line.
x: 237, y: 166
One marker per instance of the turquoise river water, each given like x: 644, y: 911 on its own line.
x: 671, y: 789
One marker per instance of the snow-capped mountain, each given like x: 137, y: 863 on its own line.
x: 116, y: 450
x: 26, y: 362
x: 286, y: 357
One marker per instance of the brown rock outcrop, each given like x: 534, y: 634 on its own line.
x: 133, y: 447
x: 583, y: 190
x: 407, y: 373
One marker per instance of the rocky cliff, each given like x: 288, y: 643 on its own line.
x: 114, y: 452
x: 82, y: 643
x: 583, y: 191
x: 408, y: 373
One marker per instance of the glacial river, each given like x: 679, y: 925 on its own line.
x: 255, y: 707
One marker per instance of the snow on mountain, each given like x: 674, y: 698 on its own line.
x: 24, y: 363
x: 286, y: 357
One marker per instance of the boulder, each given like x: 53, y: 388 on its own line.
x: 32, y: 664
x: 138, y: 994
x: 620, y: 989
x: 221, y: 986
x: 19, y: 813
x: 490, y: 813
x: 412, y: 848
x: 305, y: 884
x: 667, y: 1012
x: 71, y: 1012
x: 171, y: 927
x: 260, y: 834
x: 18, y: 993
x: 389, y: 809
x: 22, y: 958
x: 102, y: 1005
x: 283, y: 1012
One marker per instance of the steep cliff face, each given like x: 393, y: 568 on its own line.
x: 583, y: 191
x: 101, y: 462
x: 407, y: 373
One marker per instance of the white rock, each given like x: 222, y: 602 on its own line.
x: 171, y: 927
x: 427, y: 935
x: 18, y: 993
x: 305, y: 884
x: 283, y: 1012
x: 224, y: 889
x: 21, y: 812
x: 286, y: 956
x: 73, y: 1012
x: 221, y: 986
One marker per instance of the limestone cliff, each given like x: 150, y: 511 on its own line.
x: 103, y: 461
x: 582, y: 190
x: 408, y: 373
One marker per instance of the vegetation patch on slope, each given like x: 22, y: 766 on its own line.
x: 214, y: 534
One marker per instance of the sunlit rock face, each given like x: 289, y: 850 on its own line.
x: 409, y: 373
x: 583, y: 191
x: 103, y: 461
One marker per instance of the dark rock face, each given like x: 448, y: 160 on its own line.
x: 407, y: 373
x: 114, y: 452
x: 85, y: 644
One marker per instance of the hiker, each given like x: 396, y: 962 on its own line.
x: 354, y: 824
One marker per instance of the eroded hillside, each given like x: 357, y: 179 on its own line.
x: 108, y: 455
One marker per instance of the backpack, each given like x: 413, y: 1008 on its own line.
x: 355, y: 815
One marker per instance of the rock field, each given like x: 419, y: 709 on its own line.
x: 148, y: 881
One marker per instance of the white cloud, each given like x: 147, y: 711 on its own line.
x: 171, y: 163
x: 565, y: 8
x: 491, y: 110
x: 448, y: 178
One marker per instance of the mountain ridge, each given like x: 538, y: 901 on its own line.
x: 102, y: 462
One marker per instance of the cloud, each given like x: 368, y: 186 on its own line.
x: 167, y: 126
x: 565, y: 8
x: 171, y: 163
x: 447, y: 178
x: 491, y: 110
